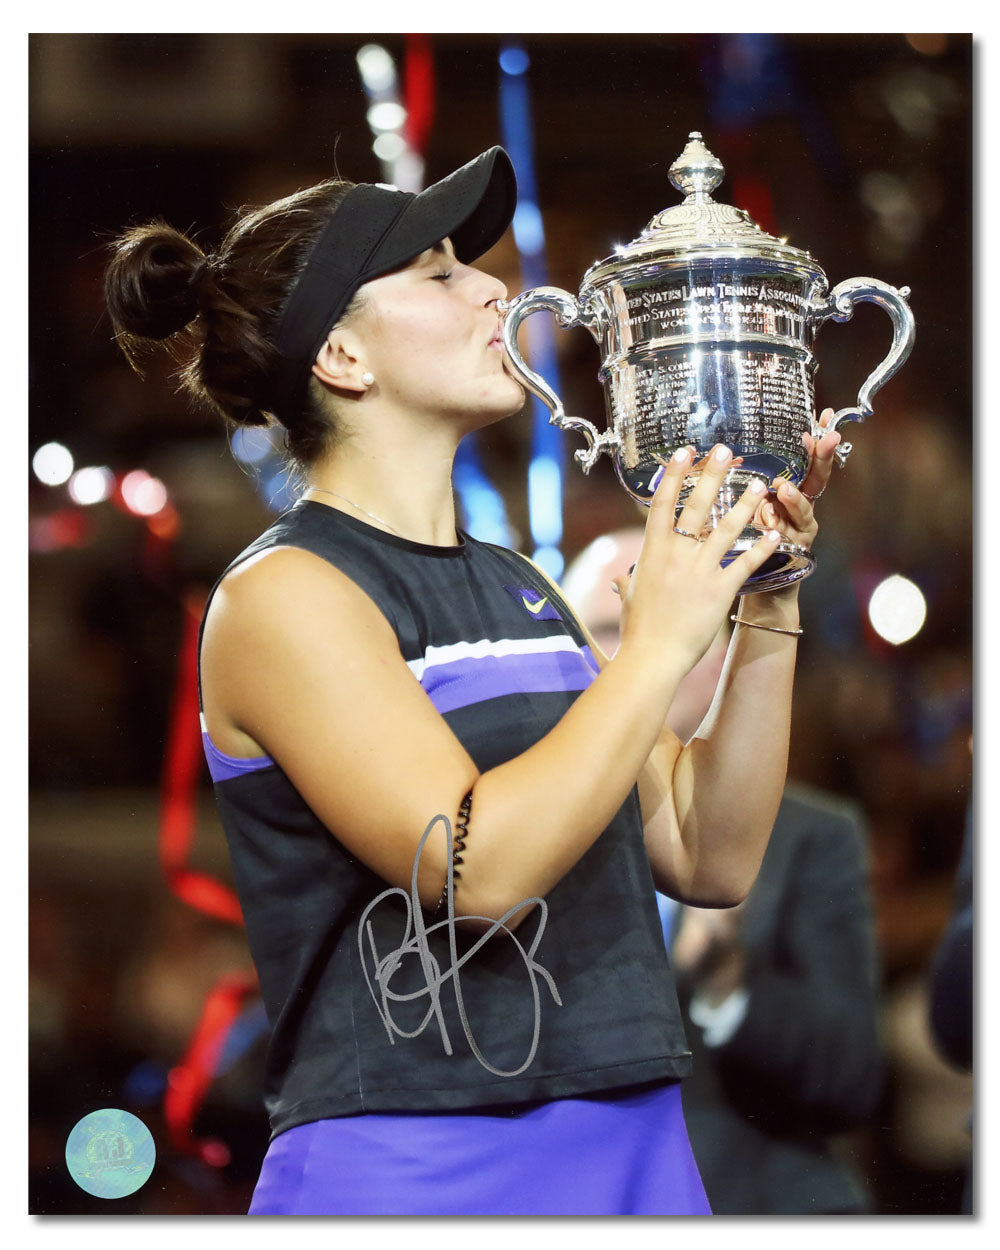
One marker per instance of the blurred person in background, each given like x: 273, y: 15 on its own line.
x: 780, y: 993
x: 364, y: 665
x: 951, y: 1012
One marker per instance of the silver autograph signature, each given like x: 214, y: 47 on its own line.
x: 415, y: 943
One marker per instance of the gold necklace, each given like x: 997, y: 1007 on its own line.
x: 371, y: 515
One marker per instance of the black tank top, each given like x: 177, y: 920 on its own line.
x: 580, y: 999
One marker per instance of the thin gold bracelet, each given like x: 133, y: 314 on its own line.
x: 773, y: 629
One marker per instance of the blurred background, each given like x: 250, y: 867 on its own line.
x: 856, y: 147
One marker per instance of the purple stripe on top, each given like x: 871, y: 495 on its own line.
x: 474, y: 679
x: 223, y: 767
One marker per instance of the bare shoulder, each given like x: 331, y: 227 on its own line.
x: 283, y: 587
x: 270, y: 620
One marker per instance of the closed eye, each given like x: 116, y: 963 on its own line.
x: 442, y: 277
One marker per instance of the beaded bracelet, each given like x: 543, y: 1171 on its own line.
x: 458, y: 846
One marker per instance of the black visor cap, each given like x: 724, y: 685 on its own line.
x: 375, y: 230
x: 473, y: 207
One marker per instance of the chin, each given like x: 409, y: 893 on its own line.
x: 502, y: 402
x: 518, y: 402
x: 514, y: 405
x: 496, y: 400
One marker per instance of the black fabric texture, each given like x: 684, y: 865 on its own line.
x: 303, y: 894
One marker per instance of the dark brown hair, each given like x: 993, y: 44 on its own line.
x: 217, y: 314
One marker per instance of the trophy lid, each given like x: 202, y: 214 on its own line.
x: 699, y: 227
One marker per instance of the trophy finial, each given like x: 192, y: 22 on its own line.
x: 696, y: 172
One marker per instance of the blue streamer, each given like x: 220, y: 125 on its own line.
x: 545, y: 473
x: 483, y: 513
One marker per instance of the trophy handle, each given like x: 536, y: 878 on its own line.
x: 568, y: 314
x: 840, y: 306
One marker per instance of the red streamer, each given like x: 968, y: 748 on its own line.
x: 419, y: 92
x: 189, y: 1080
x: 181, y: 771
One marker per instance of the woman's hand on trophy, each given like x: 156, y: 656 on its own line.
x: 821, y: 456
x: 790, y: 509
x: 679, y: 591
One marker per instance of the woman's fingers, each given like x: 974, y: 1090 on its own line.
x: 667, y: 482
x: 739, y: 516
x: 797, y: 506
x: 749, y: 561
x: 698, y: 505
x: 788, y: 509
x: 821, y: 454
x: 783, y: 510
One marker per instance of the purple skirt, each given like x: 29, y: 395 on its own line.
x: 624, y: 1155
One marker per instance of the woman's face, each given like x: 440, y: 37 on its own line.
x: 430, y: 334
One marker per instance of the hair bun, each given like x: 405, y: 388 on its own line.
x: 159, y: 282
x: 198, y: 272
x: 151, y: 282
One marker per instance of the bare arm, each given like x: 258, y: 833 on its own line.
x: 709, y: 809
x: 705, y: 848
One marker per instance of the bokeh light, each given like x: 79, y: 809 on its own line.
x: 389, y: 146
x: 386, y: 115
x: 143, y: 494
x: 52, y: 464
x: 514, y: 61
x: 528, y: 229
x: 897, y: 609
x: 376, y: 66
x: 91, y: 485
x: 252, y: 444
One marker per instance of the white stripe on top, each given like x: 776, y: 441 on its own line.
x: 434, y: 657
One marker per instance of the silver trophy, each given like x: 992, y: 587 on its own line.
x: 706, y: 324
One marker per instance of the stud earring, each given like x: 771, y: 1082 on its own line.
x: 368, y: 378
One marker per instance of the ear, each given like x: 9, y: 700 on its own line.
x: 338, y: 363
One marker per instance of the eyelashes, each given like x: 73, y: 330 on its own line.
x: 442, y: 277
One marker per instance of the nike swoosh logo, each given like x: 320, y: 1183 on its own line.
x: 535, y: 608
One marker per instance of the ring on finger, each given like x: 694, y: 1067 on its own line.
x: 812, y: 498
x: 687, y: 534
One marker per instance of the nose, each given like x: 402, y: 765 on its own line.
x: 494, y: 289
